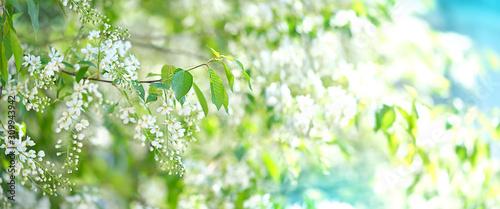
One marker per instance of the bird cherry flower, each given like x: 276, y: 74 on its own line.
x: 32, y: 154
x: 166, y: 108
x: 75, y: 107
x: 26, y: 172
x: 93, y: 34
x: 65, y: 121
x: 41, y: 154
x: 92, y: 88
x: 185, y: 110
x: 79, y: 91
x: 149, y: 120
x: 156, y: 130
x: 125, y: 115
x: 81, y: 125
x: 89, y: 52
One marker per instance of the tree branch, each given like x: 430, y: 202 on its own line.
x: 151, y: 81
x: 105, y: 81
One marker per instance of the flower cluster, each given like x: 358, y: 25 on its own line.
x: 91, y: 15
x: 30, y: 163
x: 168, y: 139
x: 72, y: 121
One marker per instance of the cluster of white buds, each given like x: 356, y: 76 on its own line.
x: 91, y: 15
x: 74, y: 147
x: 86, y: 12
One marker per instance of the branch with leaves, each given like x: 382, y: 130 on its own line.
x: 104, y: 58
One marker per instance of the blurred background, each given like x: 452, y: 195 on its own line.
x: 479, y: 21
x: 355, y: 104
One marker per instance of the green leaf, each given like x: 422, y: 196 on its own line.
x: 159, y: 85
x: 62, y: 7
x: 139, y: 88
x: 155, y: 90
x: 229, y: 76
x: 68, y: 65
x: 64, y: 96
x: 167, y: 73
x: 217, y: 54
x: 240, y: 66
x: 76, y: 54
x: 87, y: 63
x: 225, y: 103
x: 15, y: 4
x: 8, y: 46
x: 60, y: 85
x: 229, y: 58
x: 274, y: 172
x: 152, y: 97
x: 109, y: 108
x: 9, y: 20
x: 385, y: 118
x: 393, y: 144
x: 81, y: 72
x: 3, y: 65
x: 182, y: 100
x: 16, y: 49
x: 181, y: 83
x: 217, y: 89
x: 152, y: 75
x: 201, y: 99
x: 17, y: 15
x: 33, y: 13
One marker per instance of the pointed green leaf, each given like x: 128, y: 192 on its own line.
x: 217, y: 89
x: 109, y: 108
x: 81, y: 72
x: 240, y: 66
x: 181, y: 83
x: 87, y: 63
x: 33, y: 13
x: 385, y: 118
x: 15, y: 4
x: 155, y: 90
x: 8, y: 46
x: 68, y: 65
x: 159, y: 85
x: 152, y: 75
x: 201, y: 99
x: 167, y: 73
x: 217, y: 54
x: 17, y: 15
x: 182, y: 100
x: 76, y: 54
x: 64, y: 96
x: 225, y: 103
x: 152, y: 97
x: 229, y: 58
x: 62, y: 7
x: 139, y: 88
x: 60, y: 85
x: 229, y: 76
x: 16, y: 49
x: 272, y: 168
x: 3, y: 65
